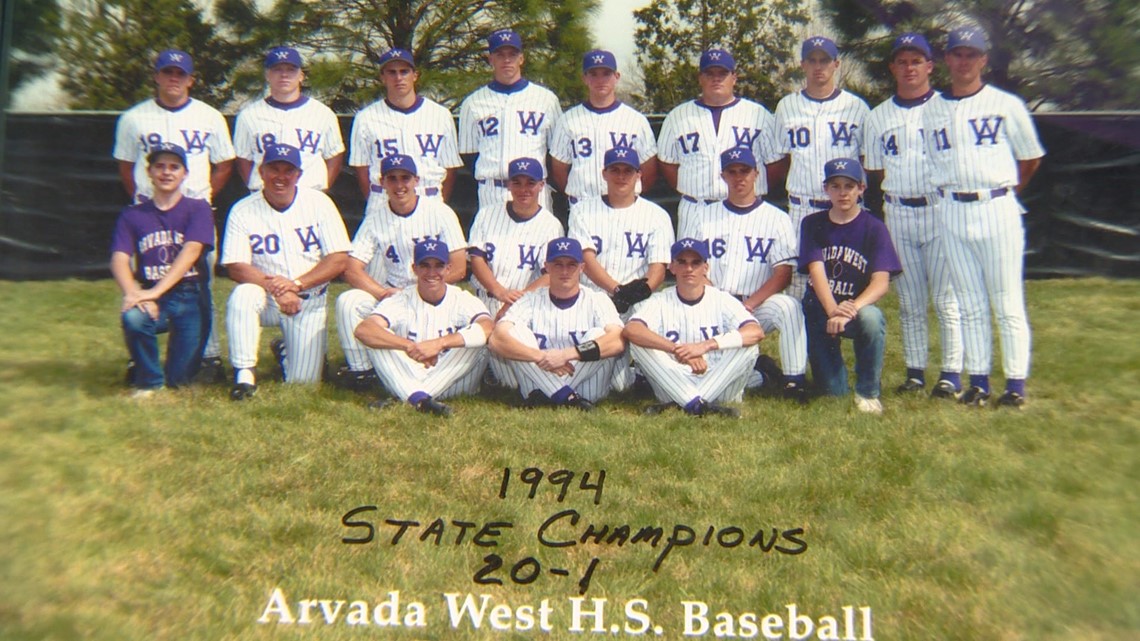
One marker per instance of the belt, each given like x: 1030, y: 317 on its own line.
x: 919, y: 201
x: 313, y: 294
x: 428, y: 191
x: 706, y: 201
x: 822, y: 204
x: 495, y: 181
x: 975, y: 196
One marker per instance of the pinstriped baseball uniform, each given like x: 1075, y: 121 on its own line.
x: 289, y: 244
x: 894, y: 145
x: 746, y: 244
x: 457, y: 371
x: 691, y: 138
x: 426, y: 132
x: 668, y: 315
x: 541, y: 322
x: 503, y: 122
x: 584, y: 134
x: 306, y: 124
x: 627, y: 241
x: 974, y: 144
x: 385, y: 243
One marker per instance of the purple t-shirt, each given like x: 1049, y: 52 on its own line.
x: 154, y: 237
x: 850, y: 252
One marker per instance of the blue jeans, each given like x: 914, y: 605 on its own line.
x: 180, y: 312
x: 869, y: 333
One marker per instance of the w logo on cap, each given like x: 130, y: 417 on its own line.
x: 714, y: 55
x: 505, y: 36
x: 599, y: 59
x: 282, y: 55
x: 687, y: 243
x: 522, y: 165
x: 908, y: 39
x: 967, y: 35
x: 176, y: 57
x: 734, y: 154
x: 840, y: 165
x: 429, y: 246
x: 396, y: 160
x: 563, y: 246
x: 621, y: 153
x: 818, y: 42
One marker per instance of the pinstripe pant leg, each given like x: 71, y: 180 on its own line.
x: 502, y: 369
x: 352, y: 307
x: 905, y: 227
x: 399, y: 374
x: 799, y: 282
x: 306, y: 341
x: 967, y: 272
x: 458, y: 371
x: 728, y: 373
x: 591, y: 380
x: 942, y: 293
x: 786, y: 314
x: 671, y: 380
x: 1003, y: 258
x: 213, y: 343
x: 246, y: 311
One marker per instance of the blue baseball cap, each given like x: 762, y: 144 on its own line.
x: 737, y: 156
x: 431, y: 248
x: 819, y: 43
x: 971, y: 36
x: 503, y: 38
x: 845, y: 168
x: 282, y: 55
x: 528, y: 167
x: 563, y: 247
x: 718, y: 58
x: 397, y: 55
x: 174, y: 58
x: 622, y: 156
x: 282, y: 153
x: 398, y: 162
x: 915, y: 41
x: 698, y: 247
x: 167, y: 148
x: 599, y: 59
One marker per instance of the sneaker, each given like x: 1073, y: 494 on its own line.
x: 1011, y: 399
x: 770, y: 370
x: 945, y: 389
x: 797, y: 392
x: 534, y: 400
x: 211, y: 370
x: 868, y: 405
x: 243, y: 391
x: 911, y: 385
x: 277, y: 346
x: 716, y: 409
x: 658, y: 408
x: 579, y: 402
x: 141, y: 394
x: 434, y: 407
x: 974, y: 397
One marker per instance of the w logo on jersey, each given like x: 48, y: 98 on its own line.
x: 429, y: 143
x: 308, y: 238
x: 744, y: 137
x: 530, y: 121
x: 195, y: 141
x: 635, y: 245
x: 622, y: 139
x: 985, y: 131
x: 758, y: 248
x: 528, y: 258
x: 841, y: 133
x: 308, y: 140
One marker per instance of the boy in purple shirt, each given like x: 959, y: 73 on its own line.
x: 165, y: 236
x: 849, y: 258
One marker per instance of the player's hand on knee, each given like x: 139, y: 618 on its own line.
x: 556, y: 360
x: 426, y: 352
x: 685, y: 352
x: 836, y: 325
x: 289, y: 303
x: 847, y: 309
x: 279, y: 285
x: 698, y: 365
x: 150, y: 307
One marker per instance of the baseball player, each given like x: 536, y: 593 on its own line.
x: 404, y: 122
x: 586, y: 131
x: 283, y: 244
x: 696, y: 132
x: 896, y: 154
x: 813, y: 126
x: 984, y: 149
x: 849, y: 258
x: 166, y: 236
x: 510, y: 117
x: 287, y: 116
x: 174, y: 117
x: 507, y: 247
x: 695, y: 343
x: 381, y: 262
x: 427, y: 342
x: 753, y: 253
x: 561, y: 339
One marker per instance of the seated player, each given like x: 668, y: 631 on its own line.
x: 427, y: 342
x: 849, y: 259
x: 165, y: 235
x: 695, y: 343
x: 562, y: 339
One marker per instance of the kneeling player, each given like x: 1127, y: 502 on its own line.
x: 427, y: 341
x: 695, y: 343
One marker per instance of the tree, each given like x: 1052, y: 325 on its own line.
x: 673, y: 33
x: 35, y: 29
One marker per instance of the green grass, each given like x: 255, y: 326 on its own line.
x: 176, y: 518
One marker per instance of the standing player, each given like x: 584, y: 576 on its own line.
x: 561, y: 339
x: 753, y: 249
x: 586, y: 131
x: 288, y: 117
x: 510, y: 117
x: 813, y: 126
x: 174, y: 117
x: 696, y: 132
x: 283, y: 245
x: 427, y: 341
x: 848, y: 256
x: 166, y: 235
x: 896, y: 154
x: 404, y: 122
x: 695, y: 343
x: 381, y: 264
x: 984, y: 150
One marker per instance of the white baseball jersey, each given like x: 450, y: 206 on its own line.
x: 690, y: 137
x: 557, y: 326
x: 583, y: 136
x: 306, y: 124
x: 426, y: 132
x: 815, y: 131
x: 386, y: 241
x: 627, y: 241
x: 746, y: 244
x: 894, y: 144
x: 196, y: 127
x: 411, y: 317
x: 515, y: 249
x: 503, y: 123
x: 681, y: 321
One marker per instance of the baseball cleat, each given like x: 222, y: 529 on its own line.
x: 770, y: 370
x: 658, y: 408
x: 945, y: 389
x: 243, y: 391
x: 211, y: 370
x: 277, y: 346
x: 974, y: 397
x: 797, y: 392
x: 716, y: 409
x: 362, y: 381
x: 580, y: 403
x: 434, y: 407
x: 911, y: 385
x: 1011, y: 399
x: 868, y: 405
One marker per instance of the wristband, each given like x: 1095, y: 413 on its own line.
x: 730, y: 340
x: 588, y: 351
x: 473, y: 336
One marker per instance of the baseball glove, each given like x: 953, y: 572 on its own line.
x: 630, y: 294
